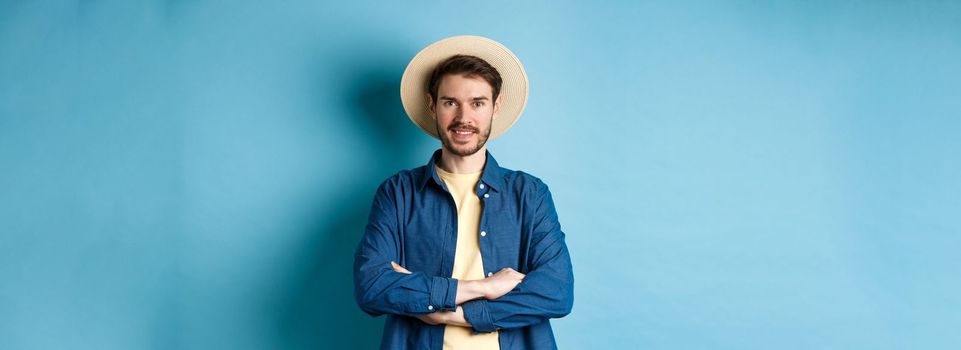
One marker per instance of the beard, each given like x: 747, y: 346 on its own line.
x: 465, y: 149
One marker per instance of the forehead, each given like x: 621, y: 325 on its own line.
x: 459, y: 85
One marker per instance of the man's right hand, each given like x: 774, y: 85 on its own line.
x: 501, y: 283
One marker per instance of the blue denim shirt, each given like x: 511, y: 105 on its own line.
x: 413, y: 221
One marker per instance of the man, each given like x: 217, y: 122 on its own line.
x: 462, y: 253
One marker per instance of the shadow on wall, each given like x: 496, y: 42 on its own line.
x: 318, y: 310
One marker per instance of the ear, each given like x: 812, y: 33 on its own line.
x: 430, y: 106
x: 497, y: 105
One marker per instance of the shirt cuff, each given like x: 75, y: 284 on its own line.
x: 476, y: 313
x: 443, y: 293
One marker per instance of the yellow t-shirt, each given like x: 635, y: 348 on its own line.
x: 468, y: 264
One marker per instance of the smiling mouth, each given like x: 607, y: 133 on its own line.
x: 462, y: 135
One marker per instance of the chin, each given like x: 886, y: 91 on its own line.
x: 464, y: 150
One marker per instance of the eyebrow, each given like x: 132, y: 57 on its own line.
x: 448, y: 98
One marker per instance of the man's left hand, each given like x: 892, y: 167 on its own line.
x: 453, y: 318
x: 399, y: 268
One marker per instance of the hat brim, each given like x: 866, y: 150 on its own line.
x: 514, y: 87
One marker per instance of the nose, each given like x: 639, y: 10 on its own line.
x: 464, y: 116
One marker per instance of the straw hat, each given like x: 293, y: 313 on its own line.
x: 413, y: 86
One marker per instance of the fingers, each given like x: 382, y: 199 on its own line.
x: 513, y: 273
x: 502, y: 282
x: 427, y: 320
x: 399, y: 268
x: 431, y: 319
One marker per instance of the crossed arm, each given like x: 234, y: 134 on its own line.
x: 500, y: 301
x: 490, y: 288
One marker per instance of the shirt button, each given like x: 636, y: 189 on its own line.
x: 490, y: 274
x: 430, y: 307
x: 483, y: 233
x: 482, y: 186
x: 486, y: 195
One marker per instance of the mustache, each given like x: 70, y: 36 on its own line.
x: 461, y: 126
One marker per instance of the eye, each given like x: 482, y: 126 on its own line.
x: 449, y: 103
x: 478, y: 103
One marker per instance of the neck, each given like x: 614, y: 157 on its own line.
x: 462, y: 165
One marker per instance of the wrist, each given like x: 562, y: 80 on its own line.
x: 470, y: 290
x: 484, y: 289
x: 456, y: 318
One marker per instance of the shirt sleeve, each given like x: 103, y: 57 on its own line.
x: 378, y: 289
x: 548, y: 287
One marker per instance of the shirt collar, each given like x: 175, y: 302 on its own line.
x: 492, y: 174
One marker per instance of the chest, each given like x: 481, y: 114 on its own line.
x: 431, y: 229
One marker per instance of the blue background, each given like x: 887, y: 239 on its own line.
x: 731, y: 175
